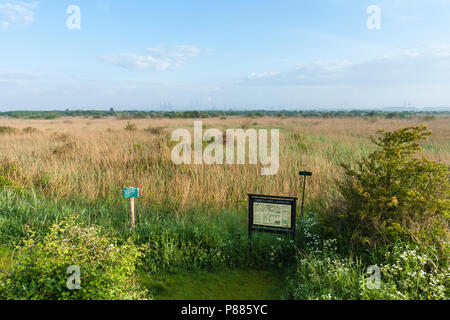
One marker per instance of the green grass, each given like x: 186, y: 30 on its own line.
x: 197, y: 240
x: 224, y: 285
x: 5, y: 257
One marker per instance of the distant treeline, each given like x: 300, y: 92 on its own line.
x: 207, y: 114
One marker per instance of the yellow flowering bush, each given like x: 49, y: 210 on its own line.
x: 396, y: 193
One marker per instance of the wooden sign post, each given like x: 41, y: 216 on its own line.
x: 131, y: 193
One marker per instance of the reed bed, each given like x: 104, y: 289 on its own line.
x: 92, y: 159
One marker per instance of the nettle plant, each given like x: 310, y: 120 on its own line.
x: 41, y: 265
x: 396, y: 193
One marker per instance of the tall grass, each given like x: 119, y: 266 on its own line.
x: 93, y: 159
x: 195, y: 240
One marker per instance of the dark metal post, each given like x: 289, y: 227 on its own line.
x: 304, y: 174
x: 294, y: 218
x: 250, y: 216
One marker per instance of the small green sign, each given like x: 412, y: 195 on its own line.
x: 131, y: 193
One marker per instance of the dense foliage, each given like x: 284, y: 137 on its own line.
x: 393, y: 215
x: 395, y: 193
x: 42, y: 264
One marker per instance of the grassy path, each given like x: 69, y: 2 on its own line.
x: 225, y: 285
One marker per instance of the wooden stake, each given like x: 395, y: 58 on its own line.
x: 132, y: 222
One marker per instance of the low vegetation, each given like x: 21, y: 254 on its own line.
x: 41, y: 266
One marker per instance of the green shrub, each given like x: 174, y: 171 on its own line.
x: 9, y: 173
x: 393, y: 195
x: 137, y: 147
x: 65, y: 149
x: 140, y: 115
x: 7, y: 130
x: 130, y: 127
x: 30, y: 130
x: 155, y: 130
x: 429, y: 117
x: 52, y: 116
x: 6, y: 183
x: 40, y: 269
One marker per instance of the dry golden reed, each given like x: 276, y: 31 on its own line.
x: 95, y: 158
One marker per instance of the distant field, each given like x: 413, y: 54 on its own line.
x: 93, y: 159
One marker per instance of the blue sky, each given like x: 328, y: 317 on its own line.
x: 193, y: 54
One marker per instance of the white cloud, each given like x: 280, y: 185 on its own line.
x: 158, y: 59
x: 17, y: 13
x: 133, y: 61
x: 262, y: 74
x: 429, y: 64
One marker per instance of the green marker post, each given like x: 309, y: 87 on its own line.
x: 131, y: 193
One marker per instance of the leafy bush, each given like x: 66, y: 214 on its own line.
x: 65, y: 149
x: 30, y: 130
x: 393, y: 195
x: 7, y: 130
x: 130, y: 127
x: 9, y: 172
x: 40, y: 269
x: 155, y: 130
x: 5, y: 182
x: 52, y: 116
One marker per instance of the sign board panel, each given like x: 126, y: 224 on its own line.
x: 131, y: 193
x: 272, y: 214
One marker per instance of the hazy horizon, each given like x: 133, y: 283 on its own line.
x: 224, y: 109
